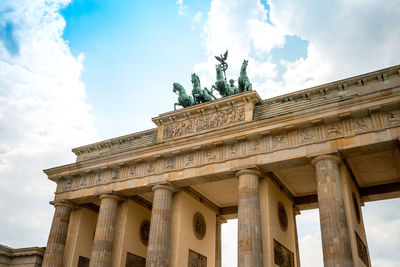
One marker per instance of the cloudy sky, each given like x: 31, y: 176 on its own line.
x: 76, y: 72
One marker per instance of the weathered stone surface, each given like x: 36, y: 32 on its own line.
x: 103, y: 238
x: 53, y: 256
x: 334, y: 231
x: 249, y: 222
x: 160, y: 227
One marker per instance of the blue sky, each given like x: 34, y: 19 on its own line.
x: 76, y: 72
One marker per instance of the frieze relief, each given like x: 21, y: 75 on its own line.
x: 307, y: 135
x: 115, y: 174
x: 151, y: 168
x: 205, y: 122
x: 169, y: 164
x: 265, y: 143
x: 234, y: 150
x: 280, y: 140
x: 100, y: 177
x: 134, y: 171
x: 393, y: 117
x: 189, y: 160
x: 67, y: 185
x: 362, y: 124
x: 334, y: 129
x: 209, y: 156
x: 84, y: 181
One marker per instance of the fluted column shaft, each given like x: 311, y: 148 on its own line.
x: 249, y: 220
x: 218, y: 254
x: 160, y: 227
x: 54, y: 253
x: 334, y: 230
x: 103, y: 237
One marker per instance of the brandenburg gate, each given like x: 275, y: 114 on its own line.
x: 157, y: 198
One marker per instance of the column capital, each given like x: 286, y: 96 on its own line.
x: 221, y: 220
x: 62, y: 203
x: 167, y: 186
x: 329, y: 156
x: 110, y: 195
x: 296, y: 211
x: 249, y: 171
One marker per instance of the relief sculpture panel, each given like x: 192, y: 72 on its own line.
x: 205, y: 122
x: 133, y: 260
x: 196, y: 259
x: 362, y: 250
x: 282, y: 256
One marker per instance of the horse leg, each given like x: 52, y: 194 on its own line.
x: 176, y: 105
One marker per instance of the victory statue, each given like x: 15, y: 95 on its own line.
x: 221, y: 85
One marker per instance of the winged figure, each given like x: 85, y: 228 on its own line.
x: 222, y: 58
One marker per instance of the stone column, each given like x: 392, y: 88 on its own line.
x: 249, y: 220
x: 334, y: 231
x: 160, y: 227
x: 296, y: 212
x: 103, y: 237
x: 218, y: 254
x: 53, y: 256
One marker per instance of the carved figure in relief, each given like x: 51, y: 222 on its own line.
x: 115, y: 175
x: 205, y: 122
x: 169, y: 164
x: 334, y: 129
x: 307, y: 135
x: 133, y: 170
x: 244, y: 82
x: 99, y: 178
x: 209, y: 155
x: 189, y: 161
x: 279, y: 139
x: 393, y: 117
x: 362, y: 125
x: 83, y: 181
x: 151, y: 168
x: 68, y: 184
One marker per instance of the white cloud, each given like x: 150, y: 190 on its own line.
x: 43, y: 114
x: 229, y: 243
x: 353, y: 38
x: 182, y: 8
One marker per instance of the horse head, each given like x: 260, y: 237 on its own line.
x: 195, y: 80
x: 244, y: 65
x: 177, y: 87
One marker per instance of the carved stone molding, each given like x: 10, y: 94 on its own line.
x: 264, y: 142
